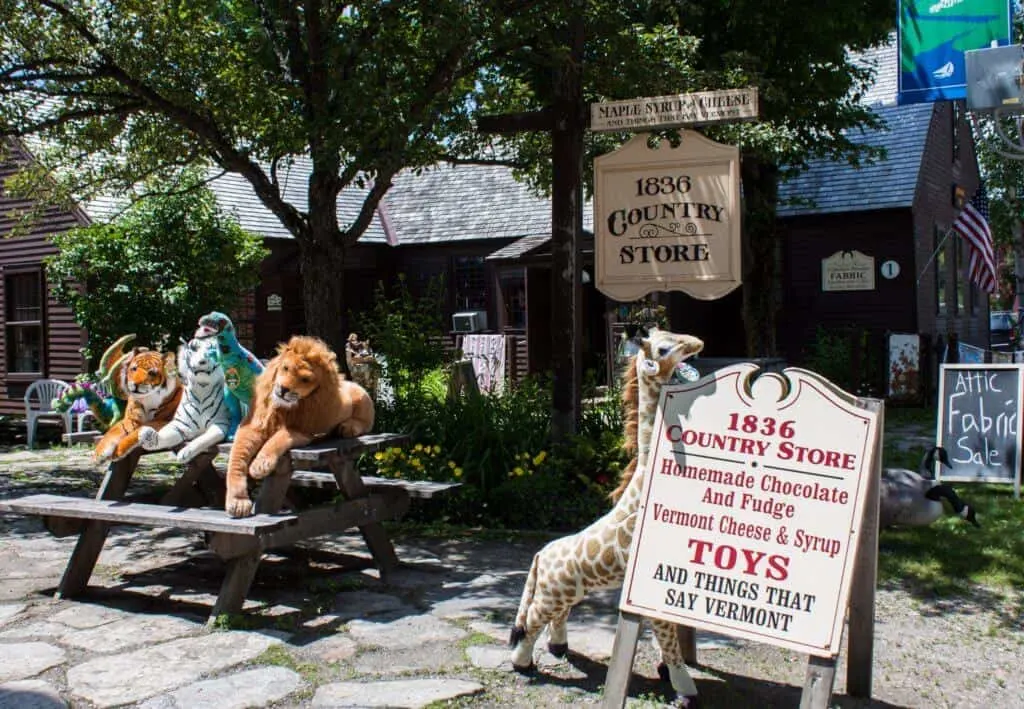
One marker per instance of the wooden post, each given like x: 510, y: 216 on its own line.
x: 94, y: 533
x: 241, y: 568
x: 567, y: 121
x: 860, y: 637
x: 620, y: 666
x: 566, y: 227
x: 351, y: 485
x: 821, y: 675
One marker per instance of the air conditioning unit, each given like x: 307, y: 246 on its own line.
x: 470, y: 321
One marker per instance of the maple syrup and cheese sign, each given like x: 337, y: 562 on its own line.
x: 752, y: 507
x: 667, y: 218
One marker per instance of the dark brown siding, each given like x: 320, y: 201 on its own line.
x: 884, y: 235
x: 933, y: 207
x: 27, y: 247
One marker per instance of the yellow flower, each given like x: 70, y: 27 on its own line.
x: 539, y: 458
x: 457, y: 472
x: 418, y: 447
x: 416, y: 463
x: 437, y: 449
x: 378, y: 456
x: 451, y: 464
x: 519, y: 471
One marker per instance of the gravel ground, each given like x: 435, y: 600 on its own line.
x: 929, y: 652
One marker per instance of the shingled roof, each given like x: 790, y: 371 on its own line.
x: 831, y: 186
x: 463, y: 202
x: 888, y: 183
x: 443, y: 203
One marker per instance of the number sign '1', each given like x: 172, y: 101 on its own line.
x: 752, y: 506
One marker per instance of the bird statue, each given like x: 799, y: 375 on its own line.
x: 914, y: 499
x: 240, y: 365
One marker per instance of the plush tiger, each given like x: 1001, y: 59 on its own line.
x: 150, y: 382
x: 203, y: 416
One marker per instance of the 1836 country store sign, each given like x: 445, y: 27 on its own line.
x: 668, y: 218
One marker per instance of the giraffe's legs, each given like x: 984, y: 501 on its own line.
x: 672, y: 659
x: 558, y: 634
x: 539, y: 614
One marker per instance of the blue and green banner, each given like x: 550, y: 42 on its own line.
x: 933, y: 36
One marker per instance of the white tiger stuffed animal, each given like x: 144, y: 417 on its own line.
x: 202, y: 417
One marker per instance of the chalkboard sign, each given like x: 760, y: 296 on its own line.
x: 979, y: 426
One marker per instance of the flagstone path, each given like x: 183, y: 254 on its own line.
x: 322, y: 630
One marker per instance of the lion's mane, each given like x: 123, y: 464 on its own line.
x: 323, y: 410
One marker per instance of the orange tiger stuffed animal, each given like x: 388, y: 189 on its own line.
x: 150, y: 383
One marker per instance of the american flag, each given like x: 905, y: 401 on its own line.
x: 972, y: 225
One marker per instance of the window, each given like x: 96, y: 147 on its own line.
x: 959, y: 279
x: 470, y: 283
x: 23, y: 293
x: 957, y: 117
x: 513, y: 295
x: 939, y: 246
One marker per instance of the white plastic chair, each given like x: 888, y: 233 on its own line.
x: 39, y: 405
x: 80, y: 418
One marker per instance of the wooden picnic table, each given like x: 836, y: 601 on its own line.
x: 196, y: 502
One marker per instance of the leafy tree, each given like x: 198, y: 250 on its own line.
x: 361, y: 90
x: 155, y: 269
x: 1000, y: 148
x: 794, y: 51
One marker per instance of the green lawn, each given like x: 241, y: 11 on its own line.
x: 944, y: 558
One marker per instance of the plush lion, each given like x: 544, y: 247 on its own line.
x: 299, y: 396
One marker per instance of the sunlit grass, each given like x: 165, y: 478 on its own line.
x: 950, y: 555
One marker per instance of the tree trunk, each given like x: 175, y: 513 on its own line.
x: 566, y: 226
x: 762, y: 281
x: 323, y: 275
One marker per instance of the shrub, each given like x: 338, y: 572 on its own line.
x: 154, y: 270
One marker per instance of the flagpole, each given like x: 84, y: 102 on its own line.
x: 935, y: 253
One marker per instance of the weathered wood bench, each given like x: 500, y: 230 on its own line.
x: 196, y: 503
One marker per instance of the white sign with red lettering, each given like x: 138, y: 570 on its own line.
x: 752, y: 506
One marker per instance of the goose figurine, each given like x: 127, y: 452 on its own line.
x: 909, y: 499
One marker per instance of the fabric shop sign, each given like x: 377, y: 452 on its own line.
x: 934, y: 36
x: 848, y: 270
x: 751, y: 512
x: 667, y: 218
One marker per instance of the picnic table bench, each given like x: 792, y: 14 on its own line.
x: 196, y: 502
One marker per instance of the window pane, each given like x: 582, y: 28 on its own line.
x: 940, y: 272
x: 470, y: 286
x: 24, y: 297
x: 25, y: 348
x: 513, y: 292
x: 958, y: 275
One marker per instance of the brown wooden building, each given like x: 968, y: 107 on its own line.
x: 898, y: 211
x: 488, y: 236
x: 38, y: 335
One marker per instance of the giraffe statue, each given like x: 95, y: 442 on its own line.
x: 594, y: 559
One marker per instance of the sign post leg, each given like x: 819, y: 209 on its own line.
x: 821, y: 675
x: 860, y: 637
x: 620, y: 667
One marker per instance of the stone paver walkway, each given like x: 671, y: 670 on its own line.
x: 320, y: 628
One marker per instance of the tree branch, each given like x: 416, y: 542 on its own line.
x: 221, y: 149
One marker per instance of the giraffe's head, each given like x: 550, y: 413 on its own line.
x: 662, y: 351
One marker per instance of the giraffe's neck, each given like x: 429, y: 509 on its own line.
x: 649, y: 390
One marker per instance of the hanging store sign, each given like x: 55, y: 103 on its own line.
x: 700, y: 108
x: 848, y: 270
x: 667, y: 218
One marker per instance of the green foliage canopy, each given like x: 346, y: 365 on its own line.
x: 154, y: 270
